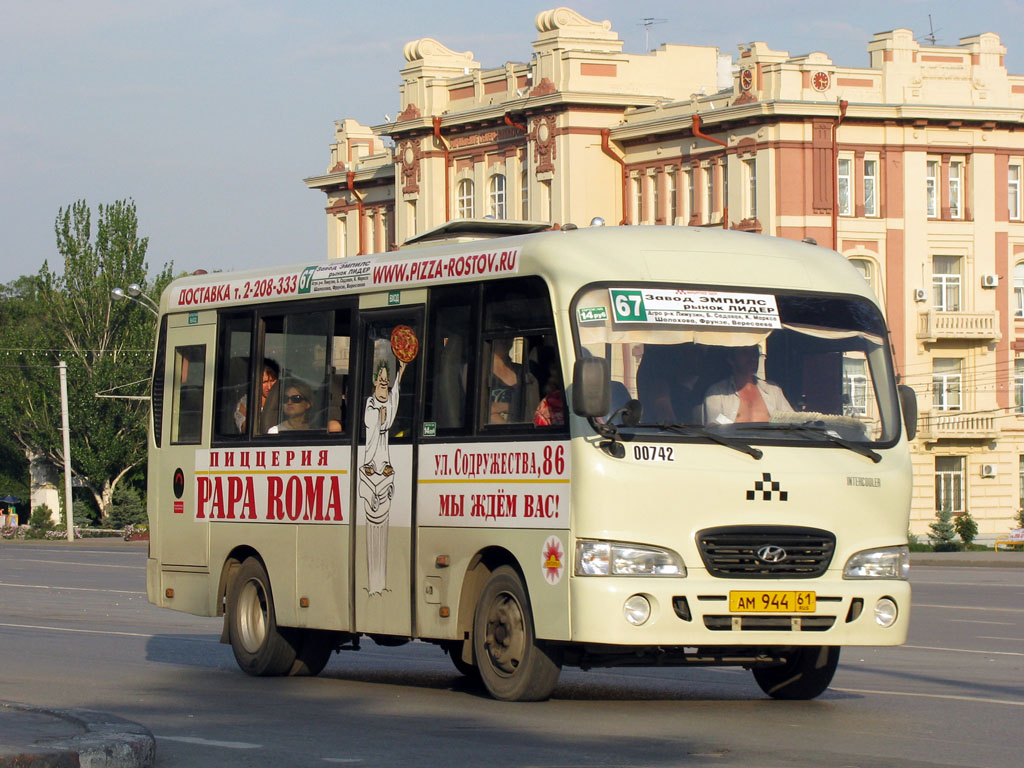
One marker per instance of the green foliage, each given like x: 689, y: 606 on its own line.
x: 1020, y: 518
x: 129, y: 507
x: 40, y: 522
x: 68, y: 314
x: 966, y: 528
x: 943, y: 532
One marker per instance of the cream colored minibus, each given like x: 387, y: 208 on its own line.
x: 603, y: 446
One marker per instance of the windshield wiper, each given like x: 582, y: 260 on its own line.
x: 691, y: 430
x: 829, y: 435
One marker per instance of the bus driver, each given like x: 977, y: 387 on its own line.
x: 742, y: 396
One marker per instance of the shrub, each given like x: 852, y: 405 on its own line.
x: 943, y: 532
x: 129, y: 507
x: 966, y: 527
x: 40, y: 522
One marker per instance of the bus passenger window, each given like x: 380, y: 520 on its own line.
x: 337, y: 386
x: 233, y: 375
x: 299, y: 342
x: 187, y: 396
x: 452, y: 324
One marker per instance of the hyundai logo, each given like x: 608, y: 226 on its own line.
x: 770, y: 553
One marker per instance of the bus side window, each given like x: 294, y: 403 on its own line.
x: 452, y: 328
x: 187, y: 394
x: 520, y: 362
x: 298, y: 342
x: 337, y: 386
x: 233, y: 375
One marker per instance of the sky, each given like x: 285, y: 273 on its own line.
x: 210, y: 113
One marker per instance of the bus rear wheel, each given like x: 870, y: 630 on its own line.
x: 261, y: 648
x: 314, y: 649
x: 512, y: 664
x: 806, y: 674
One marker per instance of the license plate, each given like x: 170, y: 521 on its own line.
x: 771, y: 602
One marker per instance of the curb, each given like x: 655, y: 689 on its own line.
x: 62, y: 738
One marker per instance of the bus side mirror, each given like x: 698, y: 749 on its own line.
x: 908, y: 402
x: 591, y: 387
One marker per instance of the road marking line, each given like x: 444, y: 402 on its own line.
x: 73, y: 589
x: 967, y: 608
x: 103, y: 632
x: 948, y: 696
x: 212, y: 742
x: 980, y: 621
x: 966, y: 584
x: 963, y: 650
x: 90, y: 565
x: 1009, y: 639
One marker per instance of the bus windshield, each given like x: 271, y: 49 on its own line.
x: 755, y: 365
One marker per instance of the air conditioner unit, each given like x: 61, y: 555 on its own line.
x: 989, y: 470
x: 990, y: 281
x: 920, y: 294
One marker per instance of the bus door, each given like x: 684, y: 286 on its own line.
x: 384, y: 472
x: 187, y: 400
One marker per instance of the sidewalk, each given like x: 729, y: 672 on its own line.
x: 62, y: 738
x: 1000, y: 559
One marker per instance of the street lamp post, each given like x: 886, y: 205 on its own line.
x: 134, y: 293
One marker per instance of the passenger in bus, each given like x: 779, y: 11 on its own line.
x: 507, y: 384
x: 670, y: 385
x: 298, y: 399
x: 551, y: 410
x: 268, y: 387
x: 743, y: 396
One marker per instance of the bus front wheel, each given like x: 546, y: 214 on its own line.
x: 261, y: 648
x: 512, y: 664
x: 806, y: 673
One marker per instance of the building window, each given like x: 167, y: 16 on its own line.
x: 690, y: 201
x: 638, y: 199
x: 1018, y: 290
x: 949, y: 484
x: 673, y: 198
x: 655, y: 198
x: 956, y: 189
x: 750, y: 170
x: 870, y: 187
x: 866, y: 269
x: 1020, y: 483
x: 545, y: 200
x: 931, y: 187
x: 496, y: 196
x: 464, y: 199
x: 1013, y: 196
x: 410, y: 219
x: 855, y: 387
x: 524, y: 194
x: 946, y: 383
x: 946, y: 283
x: 710, y: 207
x: 845, y: 166
x: 1018, y: 385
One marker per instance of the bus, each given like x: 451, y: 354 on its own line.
x: 593, y: 446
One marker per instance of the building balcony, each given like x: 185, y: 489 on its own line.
x: 936, y: 425
x: 935, y: 326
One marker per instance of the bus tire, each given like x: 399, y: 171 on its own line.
x: 261, y: 648
x: 806, y: 674
x: 512, y: 664
x: 315, y: 647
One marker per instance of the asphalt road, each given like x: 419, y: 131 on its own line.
x: 76, y: 631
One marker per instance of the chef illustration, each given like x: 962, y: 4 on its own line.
x: 377, y: 475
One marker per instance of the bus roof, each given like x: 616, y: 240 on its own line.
x: 567, y: 258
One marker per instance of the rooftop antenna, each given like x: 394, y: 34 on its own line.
x: 647, y: 22
x: 930, y: 38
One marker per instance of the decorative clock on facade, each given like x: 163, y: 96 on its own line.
x: 821, y: 81
x: 746, y: 79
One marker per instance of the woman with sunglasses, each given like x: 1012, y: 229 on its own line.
x: 295, y: 405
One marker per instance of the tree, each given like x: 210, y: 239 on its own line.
x: 942, y: 532
x: 966, y: 528
x: 108, y: 347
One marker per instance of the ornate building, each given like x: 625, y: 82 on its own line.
x: 911, y: 168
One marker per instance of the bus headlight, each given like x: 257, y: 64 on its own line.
x: 612, y: 558
x: 884, y: 563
